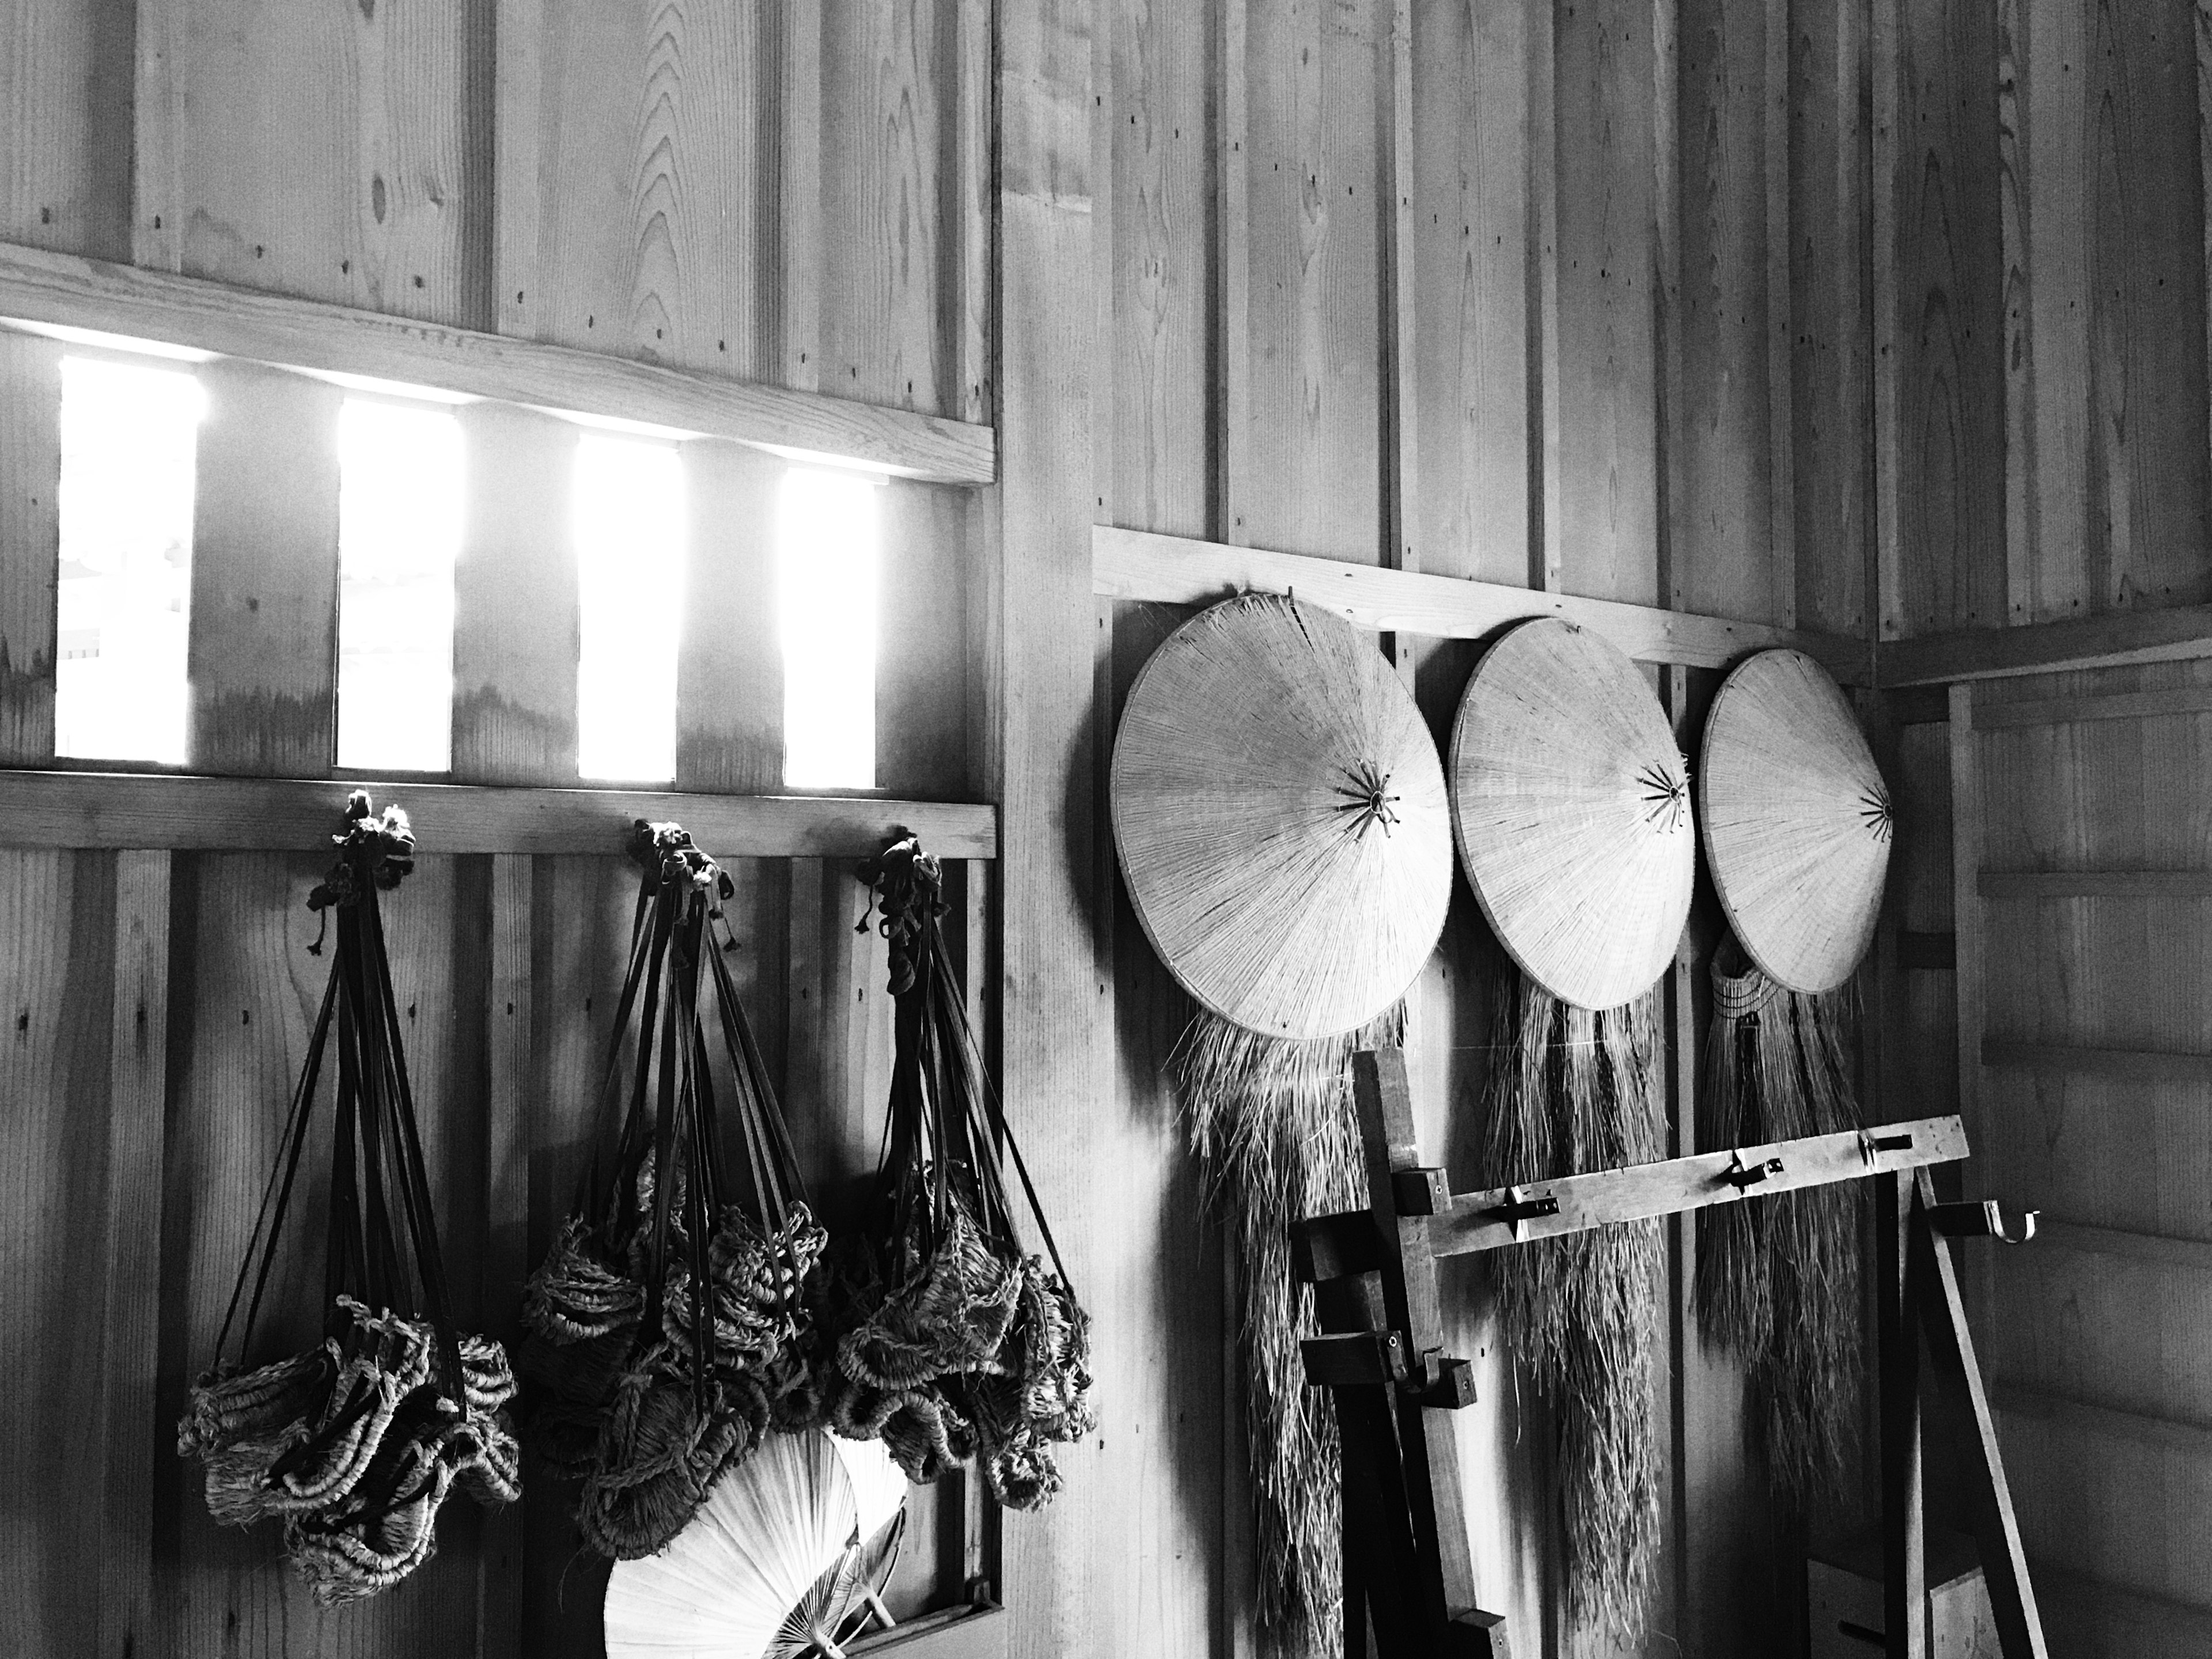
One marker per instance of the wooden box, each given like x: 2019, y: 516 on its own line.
x: 1842, y: 1591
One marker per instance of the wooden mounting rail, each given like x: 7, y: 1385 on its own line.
x: 1330, y: 1246
x: 61, y: 290
x: 209, y: 814
x: 1134, y: 564
x: 2166, y: 633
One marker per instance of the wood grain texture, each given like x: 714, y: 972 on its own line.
x: 729, y: 666
x: 261, y: 654
x: 65, y: 71
x: 57, y: 926
x: 330, y: 153
x: 270, y: 328
x: 91, y: 809
x: 927, y: 687
x: 1170, y: 570
x: 515, y: 601
x: 137, y: 1092
x: 30, y: 542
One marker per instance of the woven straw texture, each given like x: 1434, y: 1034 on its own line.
x: 1572, y: 810
x: 1279, y: 811
x: 1797, y: 820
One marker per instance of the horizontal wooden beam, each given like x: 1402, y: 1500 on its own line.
x: 1931, y: 952
x: 1135, y: 564
x: 60, y: 291
x: 150, y: 809
x: 1644, y: 1190
x: 2111, y: 706
x: 2127, y: 1065
x: 2158, y: 1249
x: 2095, y: 883
x: 2172, y: 635
x: 2015, y: 1399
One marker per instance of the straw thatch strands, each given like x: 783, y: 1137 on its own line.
x: 1280, y: 815
x: 1797, y: 823
x: 1571, y: 808
x: 1795, y: 820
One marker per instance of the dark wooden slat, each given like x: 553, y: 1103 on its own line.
x: 1905, y: 1552
x: 95, y: 809
x: 30, y: 544
x: 2085, y: 1614
x: 1917, y: 705
x: 2051, y: 1410
x: 1929, y: 952
x: 1130, y: 564
x: 2193, y: 1253
x: 2094, y: 883
x: 262, y: 653
x: 2171, y: 634
x: 1688, y: 1183
x: 2112, y: 706
x: 2131, y: 1065
x: 980, y: 1632
x: 57, y: 289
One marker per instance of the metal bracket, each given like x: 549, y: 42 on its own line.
x: 1520, y: 1206
x: 1982, y: 1219
x: 1742, y: 1176
x: 1872, y: 1145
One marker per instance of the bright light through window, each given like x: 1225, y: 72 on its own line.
x: 827, y: 529
x: 128, y: 438
x: 399, y: 530
x: 630, y: 582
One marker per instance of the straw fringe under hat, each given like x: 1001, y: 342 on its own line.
x: 1796, y: 825
x: 1280, y: 815
x: 1572, y: 812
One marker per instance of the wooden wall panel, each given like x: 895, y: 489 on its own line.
x: 729, y: 669
x: 332, y: 152
x: 1314, y: 304
x: 56, y: 932
x: 30, y: 542
x: 65, y: 71
x: 926, y: 709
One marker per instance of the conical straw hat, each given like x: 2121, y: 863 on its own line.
x: 1572, y: 811
x: 1797, y: 820
x: 1279, y: 811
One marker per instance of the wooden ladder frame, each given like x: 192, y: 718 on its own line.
x: 1408, y: 1574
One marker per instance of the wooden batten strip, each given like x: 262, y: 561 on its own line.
x: 137, y: 1095
x: 59, y: 289
x: 2125, y: 1065
x: 969, y: 1632
x: 2094, y: 883
x: 509, y: 1019
x: 2122, y: 706
x: 2094, y: 1613
x: 99, y: 809
x: 2014, y: 1400
x: 1134, y: 564
x: 2176, y: 633
x: 2195, y: 1254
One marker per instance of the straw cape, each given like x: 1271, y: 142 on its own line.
x: 1280, y: 814
x: 1572, y: 807
x: 1797, y: 824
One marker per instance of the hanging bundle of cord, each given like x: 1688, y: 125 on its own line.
x: 354, y: 1444
x: 1797, y: 822
x: 666, y: 1326
x: 952, y: 1343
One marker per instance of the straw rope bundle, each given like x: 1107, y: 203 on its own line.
x: 1280, y: 816
x: 1797, y: 823
x: 355, y: 1444
x: 1571, y: 810
x: 667, y: 1324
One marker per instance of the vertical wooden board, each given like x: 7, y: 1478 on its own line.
x: 923, y: 678
x: 1945, y: 566
x: 238, y: 941
x: 137, y: 1078
x: 968, y: 187
x: 65, y: 74
x: 2127, y: 1512
x: 57, y: 928
x: 515, y: 601
x: 1831, y: 365
x: 2109, y: 1331
x: 1473, y: 140
x: 1315, y: 479
x: 2148, y: 486
x: 1721, y: 562
x: 788, y: 328
x: 30, y: 542
x: 887, y: 253
x: 1156, y: 277
x: 1608, y: 365
x: 328, y: 152
x: 2113, y: 1153
x: 263, y: 653
x: 645, y: 170
x: 729, y: 667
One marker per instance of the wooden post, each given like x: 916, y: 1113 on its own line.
x: 1903, y: 1547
